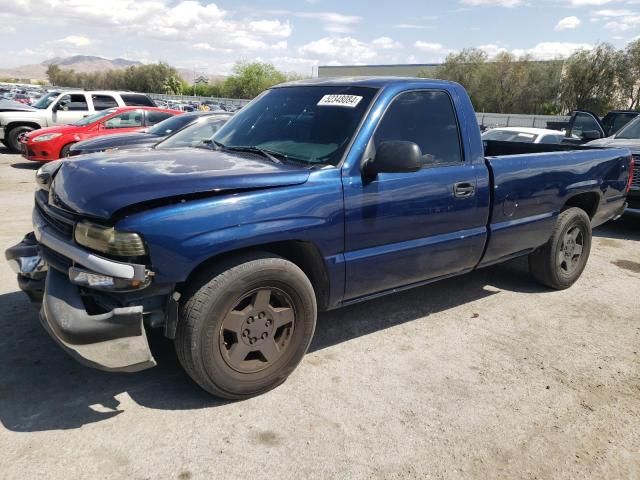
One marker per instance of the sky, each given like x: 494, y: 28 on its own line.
x: 297, y: 35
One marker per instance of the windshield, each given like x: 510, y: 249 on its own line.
x: 200, y: 133
x: 308, y: 123
x: 46, y: 100
x: 171, y: 124
x: 95, y: 117
x: 631, y: 130
x: 509, y: 136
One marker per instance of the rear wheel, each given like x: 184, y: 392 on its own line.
x: 560, y: 262
x: 13, y: 137
x: 245, y: 327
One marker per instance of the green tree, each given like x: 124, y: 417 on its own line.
x: 465, y: 68
x: 628, y: 73
x: 53, y: 74
x: 589, y: 80
x: 249, y: 79
x: 173, y: 86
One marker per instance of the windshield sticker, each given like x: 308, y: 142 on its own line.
x: 350, y: 101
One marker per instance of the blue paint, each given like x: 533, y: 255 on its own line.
x: 375, y: 235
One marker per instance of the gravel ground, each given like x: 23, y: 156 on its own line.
x: 483, y: 376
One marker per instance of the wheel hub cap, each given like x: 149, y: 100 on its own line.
x: 255, y: 330
x: 258, y: 330
x: 571, y: 250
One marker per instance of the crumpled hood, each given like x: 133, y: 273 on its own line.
x: 613, y: 142
x: 120, y: 140
x: 99, y: 185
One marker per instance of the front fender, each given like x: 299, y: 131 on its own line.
x: 182, y: 236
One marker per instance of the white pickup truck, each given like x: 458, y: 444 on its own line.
x: 60, y: 107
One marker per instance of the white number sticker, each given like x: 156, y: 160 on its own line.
x: 350, y: 101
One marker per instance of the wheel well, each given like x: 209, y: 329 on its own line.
x: 22, y: 124
x: 586, y: 201
x: 63, y: 147
x: 304, y: 254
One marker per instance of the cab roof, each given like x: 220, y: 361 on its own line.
x: 372, y: 82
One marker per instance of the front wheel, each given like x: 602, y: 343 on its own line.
x: 246, y: 326
x: 560, y: 262
x: 13, y: 137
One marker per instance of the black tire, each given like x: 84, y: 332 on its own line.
x: 229, y: 297
x: 64, y: 151
x: 12, y: 141
x: 559, y: 263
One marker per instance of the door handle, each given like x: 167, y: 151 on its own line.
x: 464, y: 190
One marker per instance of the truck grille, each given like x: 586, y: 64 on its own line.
x: 635, y: 181
x: 61, y: 222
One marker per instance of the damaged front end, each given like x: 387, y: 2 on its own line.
x: 24, y: 258
x: 69, y: 281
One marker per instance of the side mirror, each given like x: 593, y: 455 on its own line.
x: 394, y: 156
x: 591, y: 135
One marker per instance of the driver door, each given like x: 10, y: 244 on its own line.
x: 404, y: 228
x: 70, y: 108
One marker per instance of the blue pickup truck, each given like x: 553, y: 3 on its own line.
x: 316, y: 195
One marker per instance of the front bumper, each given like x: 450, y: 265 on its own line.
x: 29, y: 151
x: 112, y: 341
x: 2, y: 134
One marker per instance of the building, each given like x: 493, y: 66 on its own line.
x: 401, y: 70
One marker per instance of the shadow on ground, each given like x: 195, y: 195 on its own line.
x: 41, y: 388
x: 26, y: 165
x: 626, y: 228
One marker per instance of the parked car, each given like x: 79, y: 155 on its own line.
x: 318, y: 194
x: 148, y: 138
x: 524, y: 135
x: 627, y: 137
x: 51, y: 143
x: 585, y: 126
x: 62, y: 107
x: 22, y: 98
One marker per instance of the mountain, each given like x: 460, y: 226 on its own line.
x: 79, y: 63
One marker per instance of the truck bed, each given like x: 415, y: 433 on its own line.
x: 532, y: 183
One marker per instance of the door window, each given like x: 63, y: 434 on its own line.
x: 75, y: 102
x: 584, y: 122
x: 102, y: 102
x: 157, y: 117
x: 137, y: 100
x: 130, y: 119
x: 426, y: 118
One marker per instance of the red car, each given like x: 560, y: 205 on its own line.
x: 52, y: 143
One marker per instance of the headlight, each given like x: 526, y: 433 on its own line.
x: 108, y: 240
x: 45, y: 137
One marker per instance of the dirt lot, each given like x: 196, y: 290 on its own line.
x: 484, y: 376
